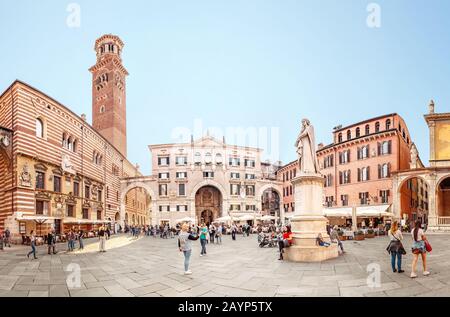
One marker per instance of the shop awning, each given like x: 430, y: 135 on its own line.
x: 374, y: 211
x: 289, y: 215
x: 338, y: 212
x: 37, y: 218
x: 84, y: 221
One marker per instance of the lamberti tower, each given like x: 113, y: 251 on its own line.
x: 109, y: 93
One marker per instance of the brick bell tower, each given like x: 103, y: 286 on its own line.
x: 108, y: 92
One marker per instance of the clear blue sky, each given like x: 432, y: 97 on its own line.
x: 239, y: 63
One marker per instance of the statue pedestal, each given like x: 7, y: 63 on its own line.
x: 309, y: 221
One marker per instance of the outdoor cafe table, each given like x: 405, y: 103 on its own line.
x: 348, y: 233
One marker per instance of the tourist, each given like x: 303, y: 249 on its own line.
x: 33, y: 245
x: 203, y: 239
x: 80, y: 239
x: 102, y: 239
x: 212, y: 232
x: 395, y: 247
x: 280, y: 242
x: 108, y: 233
x: 184, y: 244
x: 2, y: 240
x: 321, y: 242
x: 219, y: 234
x: 7, y: 238
x: 334, y: 237
x: 418, y: 247
x: 233, y: 231
x: 51, y: 242
x: 70, y: 241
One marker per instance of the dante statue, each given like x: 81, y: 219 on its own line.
x: 414, y: 156
x: 306, y: 149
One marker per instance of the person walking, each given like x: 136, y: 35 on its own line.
x: 102, y: 239
x: 80, y: 239
x: 233, y: 231
x: 219, y: 234
x: 70, y: 237
x: 334, y: 237
x: 395, y: 247
x: 51, y: 242
x: 212, y: 233
x: 2, y: 240
x: 33, y: 245
x: 203, y: 239
x: 184, y: 245
x: 7, y: 238
x: 418, y: 247
x: 108, y: 233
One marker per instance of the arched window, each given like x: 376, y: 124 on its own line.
x: 69, y: 143
x: 367, y: 129
x: 385, y: 170
x: 208, y: 158
x: 39, y: 128
x: 339, y: 137
x: 358, y: 132
x: 74, y: 146
x: 64, y: 140
x: 388, y: 124
x: 219, y: 159
x: 349, y: 134
x: 385, y: 147
x: 102, y: 109
x: 377, y: 127
x: 197, y: 158
x: 365, y: 151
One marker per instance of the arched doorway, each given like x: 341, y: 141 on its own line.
x: 443, y: 197
x: 270, y: 203
x: 414, y: 205
x: 208, y: 204
x: 137, y: 203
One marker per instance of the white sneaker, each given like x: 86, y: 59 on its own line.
x: 201, y: 254
x: 187, y: 273
x: 426, y: 273
x: 413, y: 275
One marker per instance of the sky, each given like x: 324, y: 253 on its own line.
x: 239, y: 64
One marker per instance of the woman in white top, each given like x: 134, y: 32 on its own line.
x: 33, y: 245
x: 418, y: 247
x: 395, y: 247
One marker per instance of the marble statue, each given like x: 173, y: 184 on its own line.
x: 414, y: 156
x: 306, y: 149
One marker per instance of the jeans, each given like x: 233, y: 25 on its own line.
x: 397, y: 255
x: 81, y: 243
x: 203, y: 244
x: 339, y: 242
x: 51, y: 247
x: 219, y: 239
x: 187, y: 257
x: 33, y: 249
x: 324, y: 244
x: 102, y: 244
x: 233, y: 235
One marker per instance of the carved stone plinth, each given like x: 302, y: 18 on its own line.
x: 309, y: 221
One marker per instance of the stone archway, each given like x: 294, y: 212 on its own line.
x: 413, y: 195
x: 208, y: 204
x: 443, y: 197
x: 127, y: 186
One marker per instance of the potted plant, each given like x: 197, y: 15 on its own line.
x: 359, y: 235
x: 370, y: 233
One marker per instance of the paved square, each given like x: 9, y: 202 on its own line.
x: 154, y: 267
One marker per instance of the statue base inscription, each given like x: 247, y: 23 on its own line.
x: 309, y: 222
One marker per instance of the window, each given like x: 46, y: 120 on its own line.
x: 70, y: 211
x: 163, y: 175
x: 41, y: 207
x: 250, y: 176
x: 163, y: 161
x: 76, y: 189
x: 182, y: 208
x: 208, y: 158
x: 363, y: 174
x: 364, y: 198
x: 235, y: 176
x: 344, y: 157
x: 328, y: 180
x: 40, y: 180
x: 377, y: 126
x: 235, y: 189
x: 56, y: 184
x: 102, y: 109
x: 367, y: 129
x: 99, y: 195
x: 235, y: 161
x: 250, y: 207
x: 99, y: 215
x: 384, y: 170
x: 164, y: 208
x: 388, y: 124
x: 344, y: 200
x: 344, y: 177
x: 384, y: 195
x: 363, y: 152
x: 349, y: 134
x: 358, y: 132
x: 235, y: 207
x: 385, y: 148
x: 339, y: 137
x: 181, y: 190
x: 250, y: 190
x: 249, y: 163
x: 327, y: 161
x: 219, y: 159
x: 85, y: 213
x: 208, y: 174
x: 181, y: 160
x: 197, y: 158
x: 181, y: 175
x: 329, y: 201
x: 163, y: 190
x: 39, y: 128
x: 87, y: 191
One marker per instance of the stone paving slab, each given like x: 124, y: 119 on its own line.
x: 154, y: 267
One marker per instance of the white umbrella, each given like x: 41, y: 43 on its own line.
x: 224, y: 219
x: 267, y: 217
x: 186, y: 219
x: 246, y: 217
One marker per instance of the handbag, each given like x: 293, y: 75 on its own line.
x: 428, y: 246
x: 286, y: 243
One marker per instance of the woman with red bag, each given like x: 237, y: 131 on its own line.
x: 420, y: 246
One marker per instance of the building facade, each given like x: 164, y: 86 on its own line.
x: 285, y: 174
x: 58, y: 171
x: 208, y: 179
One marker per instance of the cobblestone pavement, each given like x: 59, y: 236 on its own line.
x: 154, y: 267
